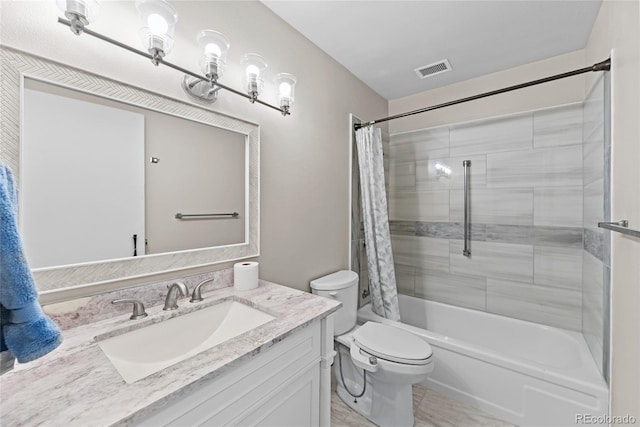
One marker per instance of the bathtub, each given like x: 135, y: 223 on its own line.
x: 522, y: 372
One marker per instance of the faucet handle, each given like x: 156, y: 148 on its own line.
x: 196, y: 296
x: 138, y: 307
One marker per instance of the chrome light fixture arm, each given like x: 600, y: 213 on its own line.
x: 199, y: 90
x: 156, y: 56
x: 77, y: 23
x: 157, y: 60
x: 79, y: 13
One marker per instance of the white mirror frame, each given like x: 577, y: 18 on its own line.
x: 15, y: 66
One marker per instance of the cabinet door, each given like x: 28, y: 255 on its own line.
x: 294, y: 405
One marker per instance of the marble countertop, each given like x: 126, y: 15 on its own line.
x: 77, y: 385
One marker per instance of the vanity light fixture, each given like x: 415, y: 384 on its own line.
x: 254, y: 66
x: 159, y: 20
x: 214, y: 46
x: 79, y: 13
x: 158, y: 25
x: 286, y: 91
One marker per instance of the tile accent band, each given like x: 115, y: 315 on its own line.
x: 569, y: 237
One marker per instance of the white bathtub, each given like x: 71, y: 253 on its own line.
x: 522, y: 372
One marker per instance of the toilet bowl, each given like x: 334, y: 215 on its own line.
x: 376, y: 365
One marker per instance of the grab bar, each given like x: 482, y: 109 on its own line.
x: 184, y: 216
x: 620, y: 227
x: 466, y: 164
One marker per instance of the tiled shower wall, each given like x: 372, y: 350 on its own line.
x: 526, y: 215
x: 539, y: 185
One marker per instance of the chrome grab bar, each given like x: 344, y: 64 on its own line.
x: 184, y: 216
x: 620, y: 227
x: 466, y: 164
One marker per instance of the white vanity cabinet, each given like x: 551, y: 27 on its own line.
x: 279, y: 387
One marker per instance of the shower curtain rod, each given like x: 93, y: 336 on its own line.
x: 600, y: 66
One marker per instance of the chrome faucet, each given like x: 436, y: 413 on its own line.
x: 171, y: 302
x: 197, y: 293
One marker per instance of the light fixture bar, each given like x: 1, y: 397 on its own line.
x: 170, y: 65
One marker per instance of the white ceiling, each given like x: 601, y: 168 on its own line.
x: 382, y: 42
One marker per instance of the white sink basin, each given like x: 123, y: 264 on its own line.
x: 150, y: 349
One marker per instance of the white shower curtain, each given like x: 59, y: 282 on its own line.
x: 382, y: 278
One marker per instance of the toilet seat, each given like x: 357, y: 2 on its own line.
x: 392, y: 344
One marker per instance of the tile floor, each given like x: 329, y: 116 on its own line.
x: 431, y: 409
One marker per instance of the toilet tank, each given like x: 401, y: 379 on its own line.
x: 342, y: 286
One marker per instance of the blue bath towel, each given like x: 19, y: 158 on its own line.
x: 25, y: 331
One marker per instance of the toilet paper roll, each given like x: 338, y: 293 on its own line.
x: 245, y: 276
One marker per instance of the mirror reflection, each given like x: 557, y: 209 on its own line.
x: 103, y: 180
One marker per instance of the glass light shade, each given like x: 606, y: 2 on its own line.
x: 254, y: 68
x: 286, y: 84
x: 82, y: 9
x: 214, y: 46
x: 158, y: 25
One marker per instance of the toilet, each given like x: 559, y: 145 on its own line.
x: 376, y: 364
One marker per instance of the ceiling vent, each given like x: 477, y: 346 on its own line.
x: 433, y: 69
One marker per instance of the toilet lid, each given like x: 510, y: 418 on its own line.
x: 391, y: 343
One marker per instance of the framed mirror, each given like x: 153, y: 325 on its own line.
x: 117, y: 182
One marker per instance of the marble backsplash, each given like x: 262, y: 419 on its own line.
x: 77, y: 312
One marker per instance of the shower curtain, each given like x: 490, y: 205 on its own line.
x: 382, y: 278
